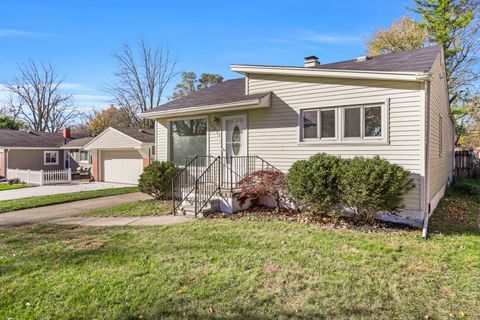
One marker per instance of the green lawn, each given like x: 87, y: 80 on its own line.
x: 238, y: 269
x: 6, y: 186
x: 133, y: 209
x: 33, y: 202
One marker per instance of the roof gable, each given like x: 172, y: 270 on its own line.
x: 113, y: 138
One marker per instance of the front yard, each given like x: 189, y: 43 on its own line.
x: 7, y: 186
x: 133, y: 209
x: 239, y: 269
x: 34, y: 202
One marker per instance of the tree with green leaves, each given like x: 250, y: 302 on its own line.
x: 403, y: 35
x: 9, y: 123
x: 189, y: 83
x: 455, y: 25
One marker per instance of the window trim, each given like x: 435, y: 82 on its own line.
x: 45, y: 163
x: 303, y: 123
x: 320, y: 124
x: 88, y: 157
x: 340, y: 126
x: 169, y: 133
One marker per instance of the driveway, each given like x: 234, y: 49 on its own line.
x: 65, y: 210
x: 57, y: 189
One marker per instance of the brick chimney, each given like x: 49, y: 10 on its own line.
x: 66, y: 133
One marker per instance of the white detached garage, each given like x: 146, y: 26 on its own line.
x: 120, y: 154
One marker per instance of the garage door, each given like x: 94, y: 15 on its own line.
x: 122, y: 166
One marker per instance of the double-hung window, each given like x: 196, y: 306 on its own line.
x: 345, y: 124
x: 50, y: 158
x: 319, y: 124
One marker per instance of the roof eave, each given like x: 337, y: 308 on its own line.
x: 332, y: 73
x: 262, y: 102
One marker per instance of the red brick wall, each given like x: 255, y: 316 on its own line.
x: 95, y: 168
x: 146, y: 161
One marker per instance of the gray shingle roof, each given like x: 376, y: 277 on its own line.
x: 33, y: 139
x: 224, y: 92
x: 143, y: 135
x: 419, y: 60
x: 77, y: 143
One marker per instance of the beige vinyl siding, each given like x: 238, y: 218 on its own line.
x: 113, y: 139
x: 161, y: 140
x: 440, y: 165
x: 274, y: 133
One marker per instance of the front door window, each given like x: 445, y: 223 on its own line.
x: 235, y: 137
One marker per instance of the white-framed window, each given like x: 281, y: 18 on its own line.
x: 363, y: 123
x: 50, y: 158
x: 319, y: 124
x: 84, y: 156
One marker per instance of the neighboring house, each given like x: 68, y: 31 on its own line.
x: 394, y: 106
x: 119, y: 155
x: 31, y: 150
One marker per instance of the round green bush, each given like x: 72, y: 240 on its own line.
x: 372, y: 185
x: 315, y: 181
x: 156, y: 179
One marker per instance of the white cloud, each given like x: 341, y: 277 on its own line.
x: 22, y: 33
x: 327, y: 38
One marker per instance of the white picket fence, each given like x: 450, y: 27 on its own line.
x: 40, y: 177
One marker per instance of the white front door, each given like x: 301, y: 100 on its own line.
x: 235, y: 147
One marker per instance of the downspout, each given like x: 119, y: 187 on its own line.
x: 426, y: 205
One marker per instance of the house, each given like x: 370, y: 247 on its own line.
x: 31, y: 150
x: 394, y: 106
x: 120, y: 154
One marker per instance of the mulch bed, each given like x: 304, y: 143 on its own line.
x: 340, y: 222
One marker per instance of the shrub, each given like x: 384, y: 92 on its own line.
x: 315, y: 181
x: 268, y: 182
x: 369, y: 186
x: 156, y: 179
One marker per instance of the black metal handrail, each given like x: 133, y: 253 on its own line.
x: 204, y: 180
x: 183, y: 184
x: 207, y: 184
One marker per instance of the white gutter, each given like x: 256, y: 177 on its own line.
x: 332, y: 73
x: 263, y: 102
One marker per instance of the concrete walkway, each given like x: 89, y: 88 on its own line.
x: 65, y: 210
x: 57, y: 189
x: 123, y: 221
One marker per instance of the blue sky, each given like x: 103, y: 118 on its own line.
x: 206, y: 36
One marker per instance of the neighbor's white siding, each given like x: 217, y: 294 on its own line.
x: 274, y: 133
x: 113, y: 139
x: 440, y: 164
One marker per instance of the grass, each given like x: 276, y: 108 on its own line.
x: 6, y: 186
x: 459, y: 210
x: 33, y: 202
x: 239, y: 269
x: 133, y: 209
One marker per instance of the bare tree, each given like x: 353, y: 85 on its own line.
x: 141, y: 79
x: 36, y: 98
